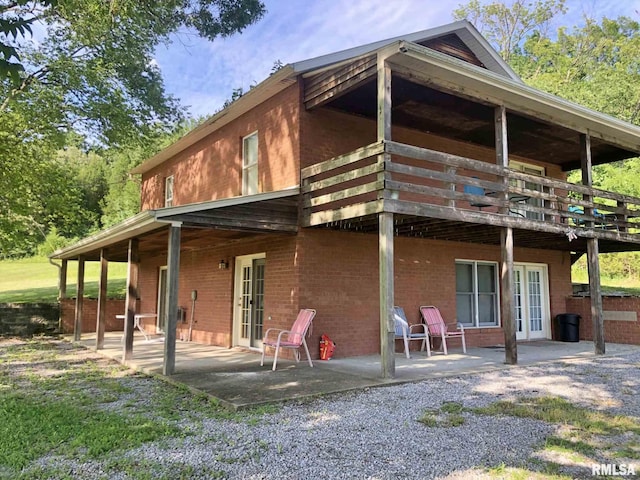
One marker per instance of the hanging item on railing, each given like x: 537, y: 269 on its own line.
x: 571, y: 234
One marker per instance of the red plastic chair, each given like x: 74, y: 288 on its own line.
x: 437, y: 328
x: 293, y: 338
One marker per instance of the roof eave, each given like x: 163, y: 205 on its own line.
x: 140, y: 223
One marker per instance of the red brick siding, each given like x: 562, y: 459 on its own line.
x: 89, y: 315
x: 323, y: 137
x: 211, y: 169
x: 213, y: 311
x: 339, y: 277
x: 614, y: 331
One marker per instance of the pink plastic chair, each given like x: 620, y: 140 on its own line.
x: 294, y: 337
x: 437, y: 328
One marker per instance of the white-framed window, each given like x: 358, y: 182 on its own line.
x: 250, y: 164
x: 536, y: 202
x: 168, y: 191
x: 477, y: 293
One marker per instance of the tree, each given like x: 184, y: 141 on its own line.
x: 91, y: 74
x: 507, y: 26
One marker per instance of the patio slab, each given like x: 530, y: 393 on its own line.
x: 235, y: 378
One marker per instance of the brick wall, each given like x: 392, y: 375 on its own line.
x: 339, y: 278
x: 89, y: 315
x: 323, y: 137
x: 211, y: 168
x: 213, y: 312
x: 615, y: 331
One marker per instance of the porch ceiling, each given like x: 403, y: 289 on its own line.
x: 435, y: 111
x: 455, y: 231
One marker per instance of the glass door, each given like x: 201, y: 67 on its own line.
x: 531, y: 300
x: 249, y: 308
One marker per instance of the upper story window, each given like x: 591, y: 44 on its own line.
x: 168, y: 191
x: 536, y: 202
x: 250, y: 164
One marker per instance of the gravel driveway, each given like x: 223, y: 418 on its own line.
x: 376, y: 434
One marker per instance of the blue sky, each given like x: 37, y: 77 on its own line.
x: 203, y: 74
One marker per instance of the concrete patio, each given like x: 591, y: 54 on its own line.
x: 237, y: 380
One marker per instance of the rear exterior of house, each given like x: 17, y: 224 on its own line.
x: 416, y: 171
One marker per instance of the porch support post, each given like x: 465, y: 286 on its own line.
x: 102, y: 299
x: 387, y: 329
x: 173, y: 273
x: 77, y: 326
x: 62, y: 280
x: 506, y: 297
x: 593, y: 262
x: 507, y: 305
x: 133, y: 260
x: 386, y: 230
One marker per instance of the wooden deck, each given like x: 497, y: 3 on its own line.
x: 442, y: 196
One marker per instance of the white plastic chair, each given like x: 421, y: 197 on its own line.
x: 405, y: 332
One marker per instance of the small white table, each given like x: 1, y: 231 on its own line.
x: 137, y: 324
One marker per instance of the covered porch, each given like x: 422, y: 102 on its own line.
x: 167, y: 233
x: 234, y: 377
x: 449, y: 135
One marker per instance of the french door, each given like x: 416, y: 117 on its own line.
x: 531, y: 298
x: 249, y: 304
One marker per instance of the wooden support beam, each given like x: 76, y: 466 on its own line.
x: 593, y: 262
x: 173, y: 274
x: 62, y: 281
x: 385, y: 232
x: 77, y: 326
x: 507, y: 278
x: 595, y: 292
x: 133, y: 261
x: 387, y: 328
x: 508, y: 309
x: 102, y: 299
x: 502, y: 152
x: 587, y: 174
x: 62, y: 289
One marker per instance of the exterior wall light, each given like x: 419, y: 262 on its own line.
x: 223, y: 265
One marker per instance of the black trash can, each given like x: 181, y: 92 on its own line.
x: 568, y: 327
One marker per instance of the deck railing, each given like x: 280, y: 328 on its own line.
x: 417, y: 181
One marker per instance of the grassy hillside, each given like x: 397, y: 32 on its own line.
x: 36, y: 280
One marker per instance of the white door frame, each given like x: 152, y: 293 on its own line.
x: 240, y: 263
x: 162, y: 293
x: 525, y: 294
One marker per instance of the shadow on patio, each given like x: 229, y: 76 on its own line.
x: 237, y: 380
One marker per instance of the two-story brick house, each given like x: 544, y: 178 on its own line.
x: 416, y: 170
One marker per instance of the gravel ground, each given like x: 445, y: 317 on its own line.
x: 375, y: 434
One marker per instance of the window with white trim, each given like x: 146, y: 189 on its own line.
x: 250, y: 164
x: 477, y: 293
x: 168, y: 191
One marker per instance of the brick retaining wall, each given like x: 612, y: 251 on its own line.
x: 28, y: 318
x: 620, y: 318
x: 89, y: 315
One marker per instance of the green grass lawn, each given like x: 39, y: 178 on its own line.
x: 35, y: 280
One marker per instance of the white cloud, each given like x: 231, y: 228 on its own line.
x: 203, y: 74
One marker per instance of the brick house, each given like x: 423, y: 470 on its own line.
x: 415, y: 170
